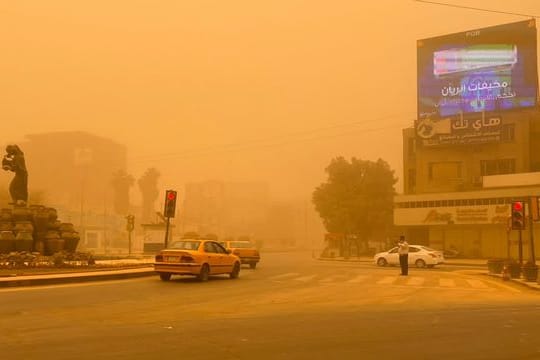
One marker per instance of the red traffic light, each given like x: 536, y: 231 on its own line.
x: 170, y: 203
x: 517, y: 206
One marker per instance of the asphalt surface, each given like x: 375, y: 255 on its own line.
x: 125, y: 269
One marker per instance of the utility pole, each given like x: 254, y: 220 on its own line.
x: 531, y: 229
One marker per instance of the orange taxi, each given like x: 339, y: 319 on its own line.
x: 200, y: 258
x: 245, y: 250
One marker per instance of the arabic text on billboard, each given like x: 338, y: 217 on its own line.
x: 489, y: 69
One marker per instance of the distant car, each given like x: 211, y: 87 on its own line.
x: 200, y: 258
x: 245, y: 250
x: 419, y: 256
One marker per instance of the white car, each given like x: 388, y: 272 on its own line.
x: 419, y: 255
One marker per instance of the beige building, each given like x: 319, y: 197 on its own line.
x: 454, y: 193
x: 74, y: 169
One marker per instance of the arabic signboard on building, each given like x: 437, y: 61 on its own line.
x: 489, y: 69
x: 466, y: 215
x: 459, y: 130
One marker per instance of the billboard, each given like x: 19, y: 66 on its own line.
x: 473, y: 129
x: 485, y: 70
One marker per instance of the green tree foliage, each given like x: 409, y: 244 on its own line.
x: 357, y: 198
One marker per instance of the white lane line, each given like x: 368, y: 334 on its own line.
x: 305, y: 278
x: 416, y: 281
x: 447, y: 282
x: 283, y: 276
x: 358, y: 278
x: 387, y: 280
x: 477, y: 284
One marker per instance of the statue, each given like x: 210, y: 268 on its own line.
x: 14, y: 161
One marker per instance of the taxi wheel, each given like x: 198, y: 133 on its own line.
x: 381, y: 262
x: 235, y: 272
x: 253, y: 265
x: 165, y: 276
x: 205, y: 272
x: 420, y: 263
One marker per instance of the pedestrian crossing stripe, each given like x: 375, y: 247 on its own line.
x: 283, y: 276
x: 447, y: 282
x: 306, y: 278
x: 477, y: 284
x: 395, y: 280
x: 387, y: 280
x: 416, y: 281
x: 358, y: 278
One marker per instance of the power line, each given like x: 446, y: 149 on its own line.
x: 242, y: 147
x: 264, y: 142
x: 475, y: 8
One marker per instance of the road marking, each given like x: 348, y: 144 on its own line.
x: 416, y: 281
x: 387, y: 280
x: 477, y: 284
x: 447, y: 282
x: 283, y: 276
x: 306, y: 278
x: 358, y: 278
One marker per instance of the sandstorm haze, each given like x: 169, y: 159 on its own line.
x: 233, y: 91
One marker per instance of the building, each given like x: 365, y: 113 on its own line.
x: 234, y: 209
x: 475, y: 124
x: 74, y: 171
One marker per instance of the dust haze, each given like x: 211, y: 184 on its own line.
x: 235, y: 92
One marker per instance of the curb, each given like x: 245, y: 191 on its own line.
x: 51, y: 279
x: 533, y: 285
x: 371, y: 261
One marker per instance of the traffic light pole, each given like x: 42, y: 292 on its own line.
x: 520, y: 249
x: 531, y: 232
x: 129, y: 243
x: 167, y: 232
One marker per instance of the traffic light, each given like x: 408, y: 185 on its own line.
x: 170, y: 203
x: 518, y: 215
x: 130, y: 222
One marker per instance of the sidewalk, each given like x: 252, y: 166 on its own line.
x: 480, y: 263
x: 454, y: 262
x: 125, y: 268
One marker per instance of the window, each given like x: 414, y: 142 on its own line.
x: 442, y: 171
x: 186, y: 245
x: 507, y: 132
x: 219, y: 248
x: 412, y: 181
x: 209, y: 247
x: 497, y: 167
x: 411, y: 146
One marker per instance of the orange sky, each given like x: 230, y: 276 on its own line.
x: 233, y: 90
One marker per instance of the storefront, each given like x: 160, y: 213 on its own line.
x: 475, y: 223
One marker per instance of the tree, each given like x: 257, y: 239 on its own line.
x: 357, y: 198
x: 149, y: 191
x: 121, y: 183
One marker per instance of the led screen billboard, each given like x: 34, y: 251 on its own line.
x: 489, y: 69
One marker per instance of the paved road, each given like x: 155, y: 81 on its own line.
x: 290, y: 308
